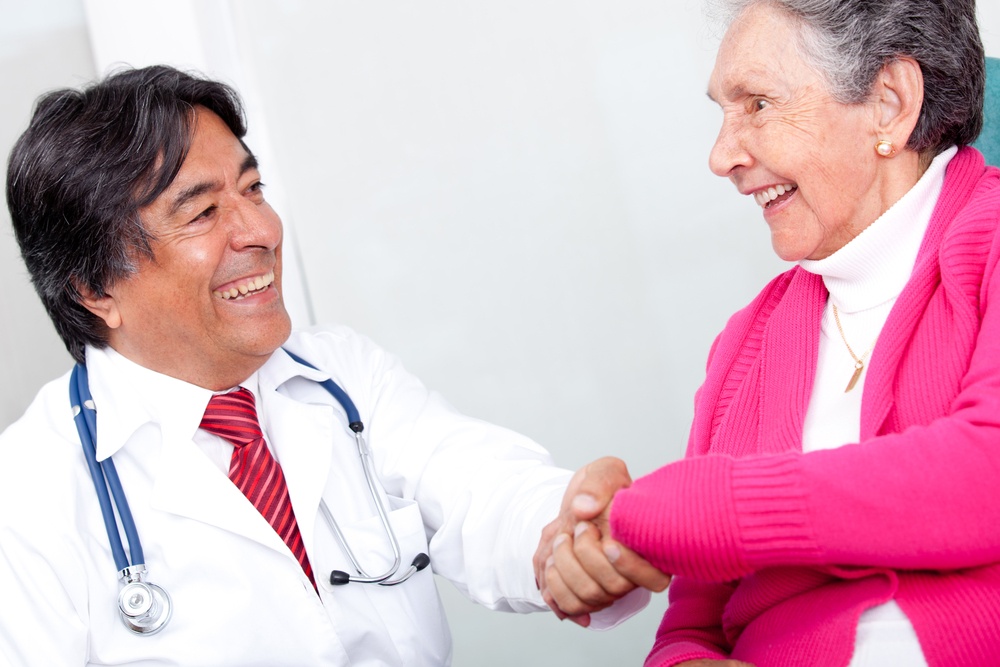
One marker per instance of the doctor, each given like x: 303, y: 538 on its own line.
x: 141, y: 217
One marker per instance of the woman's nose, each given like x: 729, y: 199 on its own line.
x: 728, y: 152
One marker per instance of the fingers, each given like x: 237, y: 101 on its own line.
x: 544, y: 552
x: 580, y: 579
x: 597, y: 486
x: 570, y: 591
x: 589, y: 492
x: 586, y: 573
x: 562, y: 523
x: 634, y: 568
x: 575, y: 585
x: 590, y: 553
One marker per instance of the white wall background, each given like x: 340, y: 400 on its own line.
x: 514, y: 198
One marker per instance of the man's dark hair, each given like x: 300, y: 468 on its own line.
x: 78, y: 176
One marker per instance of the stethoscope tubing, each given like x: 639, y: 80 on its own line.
x: 104, y: 475
x: 155, y: 607
x: 355, y: 424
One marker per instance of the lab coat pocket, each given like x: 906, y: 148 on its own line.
x: 372, y: 546
x: 410, y: 612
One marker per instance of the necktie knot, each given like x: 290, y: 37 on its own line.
x: 233, y: 416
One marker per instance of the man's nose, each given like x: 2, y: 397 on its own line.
x: 254, y: 225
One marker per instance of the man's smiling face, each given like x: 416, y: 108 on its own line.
x: 207, y: 307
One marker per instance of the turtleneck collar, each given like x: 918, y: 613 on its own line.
x: 875, y: 265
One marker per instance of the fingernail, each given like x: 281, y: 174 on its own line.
x: 536, y: 584
x: 580, y: 529
x: 612, y: 551
x: 550, y: 561
x: 560, y: 538
x: 585, y: 503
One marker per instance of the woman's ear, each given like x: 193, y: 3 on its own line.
x: 104, y: 307
x: 899, y: 96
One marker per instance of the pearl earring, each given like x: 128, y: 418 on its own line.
x: 885, y: 148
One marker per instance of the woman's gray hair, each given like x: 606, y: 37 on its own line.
x: 849, y: 41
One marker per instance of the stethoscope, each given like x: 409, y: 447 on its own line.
x: 145, y: 607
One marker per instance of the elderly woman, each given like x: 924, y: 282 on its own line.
x: 838, y: 504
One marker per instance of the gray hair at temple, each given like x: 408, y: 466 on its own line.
x: 848, y: 42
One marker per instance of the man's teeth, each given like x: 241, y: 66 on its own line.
x: 252, y: 285
x: 765, y: 197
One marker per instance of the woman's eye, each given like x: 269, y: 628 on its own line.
x: 758, y: 104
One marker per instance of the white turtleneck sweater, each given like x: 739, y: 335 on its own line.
x: 864, y: 279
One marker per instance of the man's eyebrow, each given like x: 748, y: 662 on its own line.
x: 249, y: 162
x: 198, y: 189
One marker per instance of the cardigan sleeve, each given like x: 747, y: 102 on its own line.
x: 691, y: 627
x: 921, y: 498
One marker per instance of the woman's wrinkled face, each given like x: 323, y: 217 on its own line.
x: 805, y: 159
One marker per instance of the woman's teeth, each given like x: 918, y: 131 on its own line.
x: 252, y: 285
x: 765, y: 197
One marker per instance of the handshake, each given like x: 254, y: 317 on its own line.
x: 579, y: 567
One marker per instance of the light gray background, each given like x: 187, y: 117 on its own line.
x: 514, y: 198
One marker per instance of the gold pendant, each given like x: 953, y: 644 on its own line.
x: 858, y: 367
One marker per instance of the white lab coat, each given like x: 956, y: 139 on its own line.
x: 472, y: 495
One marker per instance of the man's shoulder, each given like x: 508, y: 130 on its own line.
x: 350, y: 358
x: 41, y: 450
x: 331, y: 342
x: 48, y: 415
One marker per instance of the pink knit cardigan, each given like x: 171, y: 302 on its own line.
x: 776, y: 552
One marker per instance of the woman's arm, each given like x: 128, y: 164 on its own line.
x: 924, y: 498
x: 692, y: 625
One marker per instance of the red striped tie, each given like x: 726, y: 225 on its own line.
x: 252, y: 468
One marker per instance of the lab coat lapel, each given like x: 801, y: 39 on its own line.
x: 302, y: 437
x: 189, y: 484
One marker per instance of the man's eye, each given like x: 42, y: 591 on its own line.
x: 758, y: 104
x: 204, y: 215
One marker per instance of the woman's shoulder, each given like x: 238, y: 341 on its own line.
x: 970, y: 197
x: 795, y: 284
x: 967, y: 252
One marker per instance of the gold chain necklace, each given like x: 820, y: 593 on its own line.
x: 859, y: 362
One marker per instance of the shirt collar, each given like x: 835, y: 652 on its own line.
x: 281, y: 368
x: 873, y: 267
x: 135, y: 396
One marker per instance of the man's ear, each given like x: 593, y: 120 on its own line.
x: 104, y: 307
x: 899, y: 96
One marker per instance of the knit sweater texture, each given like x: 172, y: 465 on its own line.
x: 777, y: 553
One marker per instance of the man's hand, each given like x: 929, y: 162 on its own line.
x: 579, y: 568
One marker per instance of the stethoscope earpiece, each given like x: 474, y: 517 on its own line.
x: 420, y: 561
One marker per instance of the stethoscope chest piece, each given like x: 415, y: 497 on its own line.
x: 145, y: 608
